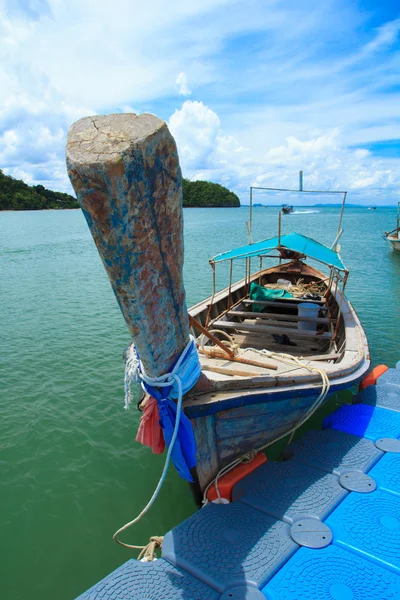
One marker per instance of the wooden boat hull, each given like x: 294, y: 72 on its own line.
x: 248, y: 421
x: 239, y: 423
x: 245, y: 413
x: 394, y: 242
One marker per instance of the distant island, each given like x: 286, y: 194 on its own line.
x: 17, y: 195
x: 204, y: 194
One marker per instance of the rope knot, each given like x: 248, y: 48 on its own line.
x: 249, y: 456
x: 179, y: 380
x: 148, y: 552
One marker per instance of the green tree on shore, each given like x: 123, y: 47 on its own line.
x: 17, y: 195
x: 206, y: 194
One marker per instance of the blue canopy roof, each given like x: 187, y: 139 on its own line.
x: 291, y: 241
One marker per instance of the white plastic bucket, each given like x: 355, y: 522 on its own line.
x: 308, y: 309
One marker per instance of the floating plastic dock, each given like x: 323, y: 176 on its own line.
x: 323, y: 524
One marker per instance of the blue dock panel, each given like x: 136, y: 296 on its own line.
x: 242, y: 593
x: 385, y: 396
x: 290, y: 490
x: 143, y: 581
x: 332, y: 574
x: 387, y: 473
x: 365, y: 421
x: 323, y: 498
x: 227, y: 545
x: 335, y: 451
x: 391, y: 376
x: 369, y: 525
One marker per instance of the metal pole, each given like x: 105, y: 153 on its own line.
x: 251, y: 216
x: 279, y: 228
x: 251, y: 208
x: 300, y: 181
x: 341, y: 212
x: 213, y: 294
x: 230, y: 284
x: 337, y: 238
x: 279, y: 235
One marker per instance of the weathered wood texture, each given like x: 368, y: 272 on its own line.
x: 125, y: 172
x: 229, y: 434
x: 252, y: 426
x: 277, y: 316
x: 245, y: 326
x: 206, y: 455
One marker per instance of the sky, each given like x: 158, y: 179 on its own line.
x: 252, y: 90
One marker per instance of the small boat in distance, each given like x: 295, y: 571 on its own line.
x: 372, y: 208
x: 393, y: 237
x: 287, y: 209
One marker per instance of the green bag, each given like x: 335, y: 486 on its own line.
x: 257, y: 292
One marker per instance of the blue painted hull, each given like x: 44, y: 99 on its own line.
x: 228, y: 428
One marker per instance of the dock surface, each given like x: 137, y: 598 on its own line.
x: 323, y: 524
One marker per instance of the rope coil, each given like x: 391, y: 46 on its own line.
x: 148, y: 552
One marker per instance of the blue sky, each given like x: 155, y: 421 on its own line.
x: 253, y: 90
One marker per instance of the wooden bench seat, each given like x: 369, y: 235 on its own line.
x: 289, y: 302
x: 261, y: 328
x: 276, y: 316
x: 304, y: 345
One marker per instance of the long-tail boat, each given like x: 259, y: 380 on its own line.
x: 272, y: 346
x: 393, y: 237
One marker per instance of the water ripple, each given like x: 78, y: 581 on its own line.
x: 72, y: 472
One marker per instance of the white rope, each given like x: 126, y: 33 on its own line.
x: 230, y: 341
x: 132, y: 373
x: 289, y: 360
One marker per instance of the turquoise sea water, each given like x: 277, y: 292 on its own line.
x: 71, y: 471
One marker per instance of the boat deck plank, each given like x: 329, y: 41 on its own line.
x: 287, y: 302
x: 277, y: 316
x: 248, y: 326
x: 260, y: 342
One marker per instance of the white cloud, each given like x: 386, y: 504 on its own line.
x: 386, y: 35
x: 126, y: 108
x: 268, y: 98
x: 206, y: 153
x: 195, y: 128
x: 182, y: 85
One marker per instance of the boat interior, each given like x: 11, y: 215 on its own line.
x: 279, y: 325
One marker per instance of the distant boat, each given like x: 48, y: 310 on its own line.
x: 287, y: 209
x: 393, y: 237
x: 372, y: 208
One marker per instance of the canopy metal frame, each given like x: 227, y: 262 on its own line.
x: 302, y: 191
x: 337, y: 277
x: 337, y: 281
